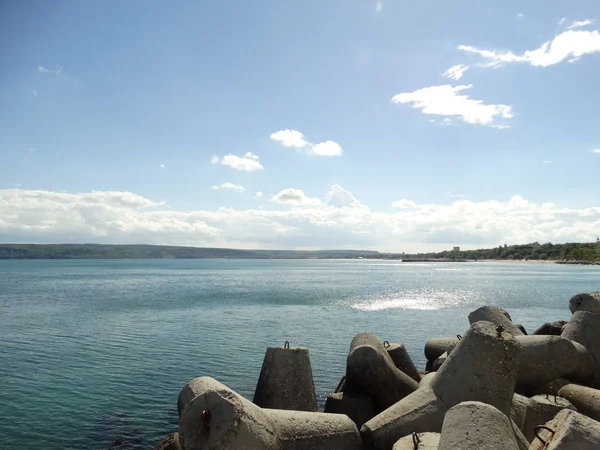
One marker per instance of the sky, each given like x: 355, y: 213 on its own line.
x: 387, y: 125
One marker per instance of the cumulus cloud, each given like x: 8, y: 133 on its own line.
x: 230, y: 187
x: 291, y: 196
x: 597, y: 151
x: 570, y: 45
x: 456, y: 72
x: 447, y: 100
x: 290, y: 138
x: 342, y: 221
x: 295, y: 139
x: 162, y: 166
x: 214, y: 159
x: 258, y: 194
x: 580, y: 24
x: 247, y: 163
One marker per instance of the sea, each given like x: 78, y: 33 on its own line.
x: 93, y: 353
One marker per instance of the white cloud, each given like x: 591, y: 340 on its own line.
x: 562, y: 20
x: 342, y: 222
x: 456, y: 72
x: 290, y: 138
x: 379, y: 6
x: 247, y: 163
x: 230, y: 187
x: 295, y: 139
x: 327, y: 148
x: 214, y: 159
x: 295, y: 197
x: 569, y: 45
x: 547, y: 161
x: 258, y: 194
x: 57, y: 71
x: 597, y: 151
x: 580, y: 24
x: 446, y: 100
x: 162, y: 166
x: 521, y: 16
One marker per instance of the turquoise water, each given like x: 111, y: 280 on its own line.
x: 93, y: 353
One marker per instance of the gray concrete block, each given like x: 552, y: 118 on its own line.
x: 419, y: 441
x: 359, y: 408
x: 550, y: 328
x: 426, y: 379
x: 420, y: 412
x: 476, y: 425
x: 541, y: 409
x: 544, y: 358
x: 584, y: 371
x: 482, y: 367
x: 569, y: 430
x: 518, y: 410
x: 435, y: 366
x: 497, y: 316
x: 286, y: 380
x: 402, y: 360
x: 169, y: 442
x: 219, y: 419
x: 585, y: 302
x: 370, y: 369
x: 584, y: 328
x: 436, y: 346
x: 585, y: 399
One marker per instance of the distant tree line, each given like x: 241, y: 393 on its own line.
x: 535, y: 251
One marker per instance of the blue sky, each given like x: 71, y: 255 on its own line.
x: 152, y: 122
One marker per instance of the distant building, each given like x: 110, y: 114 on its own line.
x: 456, y: 249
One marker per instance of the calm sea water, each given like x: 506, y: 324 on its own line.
x: 93, y: 353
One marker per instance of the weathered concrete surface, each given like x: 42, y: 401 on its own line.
x: 420, y: 412
x: 585, y: 302
x: 482, y: 367
x: 370, y: 369
x: 358, y: 407
x: 435, y: 366
x: 476, y: 425
x: 220, y: 419
x: 572, y: 431
x: 497, y: 316
x: 584, y: 328
x: 550, y: 328
x: 299, y: 430
x: 518, y: 410
x: 550, y: 388
x: 286, y: 380
x: 544, y: 358
x: 426, y: 379
x: 541, y: 409
x: 425, y: 441
x: 436, y: 346
x: 402, y: 360
x: 585, y: 399
x: 520, y: 438
x: 169, y: 442
x: 584, y: 371
x: 191, y: 390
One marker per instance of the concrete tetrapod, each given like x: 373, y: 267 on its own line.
x: 584, y: 371
x: 426, y: 379
x: 497, y: 316
x: 550, y: 328
x: 369, y: 369
x: 482, y: 367
x: 286, y: 380
x: 584, y: 328
x: 420, y: 441
x: 544, y: 358
x: 541, y: 409
x: 585, y: 302
x: 518, y: 410
x: 402, y: 360
x: 434, y: 348
x: 219, y: 419
x: 569, y: 430
x: 358, y: 407
x: 585, y: 399
x: 170, y: 442
x: 476, y: 425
